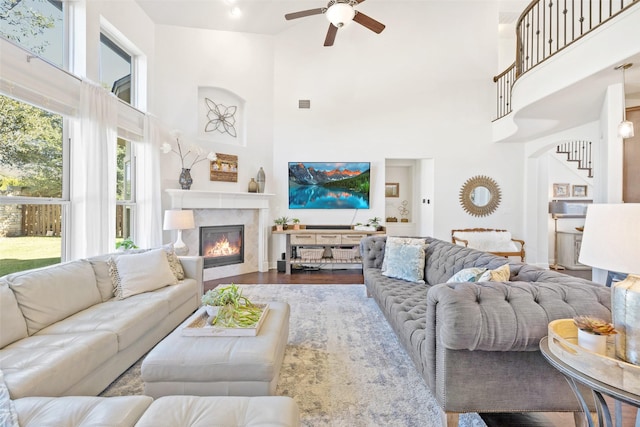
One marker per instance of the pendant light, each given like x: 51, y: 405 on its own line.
x: 625, y: 128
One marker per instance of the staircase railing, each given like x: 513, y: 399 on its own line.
x: 579, y: 152
x: 545, y: 28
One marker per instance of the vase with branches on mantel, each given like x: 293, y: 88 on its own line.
x: 189, y: 157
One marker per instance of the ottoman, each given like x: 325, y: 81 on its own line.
x: 192, y: 411
x: 219, y: 366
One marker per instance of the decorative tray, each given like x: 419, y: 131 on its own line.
x: 201, y: 326
x: 563, y: 342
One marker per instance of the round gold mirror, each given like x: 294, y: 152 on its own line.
x: 480, y: 196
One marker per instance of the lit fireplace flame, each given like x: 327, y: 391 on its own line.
x: 222, y: 248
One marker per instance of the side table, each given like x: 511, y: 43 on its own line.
x: 598, y: 389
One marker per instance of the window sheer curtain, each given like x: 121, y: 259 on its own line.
x: 148, y: 228
x: 93, y: 174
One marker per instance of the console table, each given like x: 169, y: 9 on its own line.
x: 598, y: 389
x: 310, y: 236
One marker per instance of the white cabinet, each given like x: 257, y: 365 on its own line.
x: 569, y: 250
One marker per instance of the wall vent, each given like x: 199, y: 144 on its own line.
x: 304, y: 103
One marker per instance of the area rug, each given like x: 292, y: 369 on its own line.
x: 343, y: 364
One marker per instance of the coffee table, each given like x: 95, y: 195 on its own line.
x: 219, y: 365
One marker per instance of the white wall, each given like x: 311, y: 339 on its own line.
x: 241, y: 63
x: 427, y: 95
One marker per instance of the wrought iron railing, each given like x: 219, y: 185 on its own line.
x: 545, y: 28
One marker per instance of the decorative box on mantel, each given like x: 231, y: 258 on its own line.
x: 200, y: 199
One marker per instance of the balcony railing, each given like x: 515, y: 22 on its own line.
x: 544, y: 29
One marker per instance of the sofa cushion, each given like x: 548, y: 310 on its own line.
x: 405, y: 261
x: 200, y: 411
x: 48, y: 365
x: 81, y: 411
x: 138, y: 273
x: 53, y: 293
x: 12, y: 324
x: 174, y: 296
x: 127, y: 319
x: 8, y: 414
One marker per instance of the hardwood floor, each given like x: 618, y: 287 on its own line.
x: 306, y: 277
x: 354, y: 276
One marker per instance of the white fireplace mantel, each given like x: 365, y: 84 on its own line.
x: 200, y: 199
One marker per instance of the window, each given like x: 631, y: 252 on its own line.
x: 125, y: 190
x: 33, y: 194
x: 36, y: 25
x: 115, y: 69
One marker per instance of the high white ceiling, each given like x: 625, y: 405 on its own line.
x: 257, y: 16
x: 267, y: 17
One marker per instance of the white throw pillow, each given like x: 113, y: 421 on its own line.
x: 138, y: 273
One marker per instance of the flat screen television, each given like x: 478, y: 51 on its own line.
x: 329, y: 185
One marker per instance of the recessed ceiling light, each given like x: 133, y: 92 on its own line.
x: 235, y: 11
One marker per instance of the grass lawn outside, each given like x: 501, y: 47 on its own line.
x: 23, y: 253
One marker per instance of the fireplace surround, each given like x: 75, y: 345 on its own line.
x: 225, y: 208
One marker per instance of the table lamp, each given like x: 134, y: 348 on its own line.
x: 611, y: 241
x: 179, y: 220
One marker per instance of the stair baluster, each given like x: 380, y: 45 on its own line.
x: 579, y: 152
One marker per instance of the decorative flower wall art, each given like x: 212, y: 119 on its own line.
x: 221, y: 116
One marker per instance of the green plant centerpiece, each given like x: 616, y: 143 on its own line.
x: 234, y: 309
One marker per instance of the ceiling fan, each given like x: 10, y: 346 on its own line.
x: 339, y: 13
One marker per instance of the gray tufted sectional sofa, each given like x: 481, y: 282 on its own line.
x: 476, y: 344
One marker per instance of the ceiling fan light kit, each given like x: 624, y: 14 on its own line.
x: 339, y: 13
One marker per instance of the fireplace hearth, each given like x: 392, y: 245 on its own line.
x: 222, y: 245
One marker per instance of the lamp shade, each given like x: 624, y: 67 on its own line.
x: 611, y: 239
x: 625, y: 129
x: 556, y: 207
x: 178, y: 220
x: 340, y: 14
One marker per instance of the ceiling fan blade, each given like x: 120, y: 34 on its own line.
x: 370, y: 23
x: 331, y: 35
x: 359, y: 1
x: 303, y: 13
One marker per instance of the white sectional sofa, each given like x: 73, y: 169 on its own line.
x: 63, y: 331
x: 143, y: 411
x: 68, y: 330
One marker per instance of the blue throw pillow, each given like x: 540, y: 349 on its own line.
x: 467, y: 275
x: 406, y: 262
